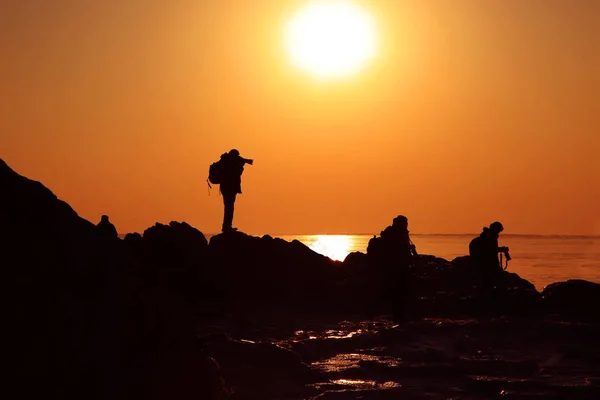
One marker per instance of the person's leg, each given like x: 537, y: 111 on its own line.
x: 373, y: 296
x: 228, y: 202
x: 399, y: 300
x: 487, y: 289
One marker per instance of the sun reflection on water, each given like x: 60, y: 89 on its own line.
x: 335, y: 247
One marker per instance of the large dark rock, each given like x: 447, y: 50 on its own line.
x: 81, y: 322
x: 41, y: 230
x: 64, y: 287
x: 272, y: 273
x: 575, y: 297
x: 254, y: 370
x: 356, y: 263
x: 361, y: 285
x: 178, y: 239
x: 460, y: 276
x: 448, y: 288
x: 175, y: 255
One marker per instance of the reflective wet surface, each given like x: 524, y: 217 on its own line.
x: 444, y: 359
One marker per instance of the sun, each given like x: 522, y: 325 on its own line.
x: 331, y: 38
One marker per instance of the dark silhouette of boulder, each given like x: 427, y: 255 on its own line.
x: 80, y: 321
x: 260, y: 370
x: 133, y: 238
x: 357, y: 271
x: 164, y: 355
x: 176, y: 255
x: 188, y: 242
x: 43, y: 229
x: 61, y: 280
x: 134, y: 242
x: 454, y: 288
x: 462, y: 276
x: 356, y: 263
x: 575, y: 297
x: 272, y: 273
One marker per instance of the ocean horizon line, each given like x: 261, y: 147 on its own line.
x: 531, y: 235
x: 514, y: 235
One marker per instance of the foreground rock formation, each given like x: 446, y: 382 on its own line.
x: 167, y: 314
x: 86, y: 317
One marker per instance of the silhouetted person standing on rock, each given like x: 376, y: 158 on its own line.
x: 106, y: 228
x: 484, y: 251
x: 392, y: 254
x: 232, y: 167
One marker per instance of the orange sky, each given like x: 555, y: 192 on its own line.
x: 473, y: 111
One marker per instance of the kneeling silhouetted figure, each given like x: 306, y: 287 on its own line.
x: 391, y: 255
x: 227, y: 172
x: 106, y: 228
x: 484, y: 251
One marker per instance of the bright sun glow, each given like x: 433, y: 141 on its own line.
x: 335, y: 247
x: 331, y: 38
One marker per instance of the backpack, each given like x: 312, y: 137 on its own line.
x: 216, y: 171
x: 475, y: 247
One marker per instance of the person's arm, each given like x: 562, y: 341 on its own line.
x: 499, y: 249
x: 248, y: 161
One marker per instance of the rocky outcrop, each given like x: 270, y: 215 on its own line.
x: 450, y: 288
x: 574, y: 298
x: 81, y: 320
x: 260, y: 370
x: 272, y: 273
x: 175, y: 255
x: 63, y: 288
x: 41, y: 230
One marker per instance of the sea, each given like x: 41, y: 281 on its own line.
x: 541, y: 259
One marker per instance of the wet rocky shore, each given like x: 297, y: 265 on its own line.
x: 434, y: 358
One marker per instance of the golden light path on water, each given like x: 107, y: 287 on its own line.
x: 335, y: 247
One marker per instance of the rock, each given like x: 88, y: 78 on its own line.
x: 164, y: 355
x: 81, y: 322
x: 356, y: 263
x: 134, y: 242
x: 176, y: 255
x: 65, y: 289
x: 578, y: 298
x: 179, y: 236
x: 43, y: 230
x: 442, y: 288
x: 452, y: 288
x: 260, y: 370
x: 272, y: 273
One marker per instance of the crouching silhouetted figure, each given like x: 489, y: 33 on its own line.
x: 483, y: 251
x: 391, y: 255
x: 227, y: 172
x: 106, y: 228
